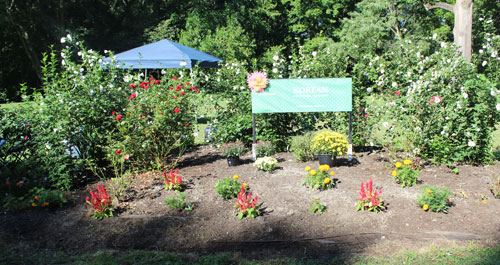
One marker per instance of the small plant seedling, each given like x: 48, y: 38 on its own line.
x: 317, y: 207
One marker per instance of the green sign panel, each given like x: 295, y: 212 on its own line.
x: 304, y: 95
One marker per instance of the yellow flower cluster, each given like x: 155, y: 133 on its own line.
x: 324, y: 168
x: 329, y: 143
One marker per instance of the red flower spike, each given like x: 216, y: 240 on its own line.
x: 118, y: 118
x: 157, y: 82
x: 174, y: 96
x: 183, y: 93
x: 171, y: 88
x: 132, y: 86
x: 143, y: 115
x: 176, y: 110
x: 151, y: 79
x: 187, y: 124
x: 397, y: 92
x: 113, y: 113
x: 175, y: 77
x: 119, y: 151
x: 132, y: 96
x: 188, y: 84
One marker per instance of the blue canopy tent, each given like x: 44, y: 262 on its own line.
x: 164, y: 54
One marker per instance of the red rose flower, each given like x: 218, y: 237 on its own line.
x: 171, y: 88
x: 175, y: 77
x: 118, y: 118
x: 113, y: 113
x: 157, y: 82
x: 132, y: 86
x: 119, y: 151
x: 151, y: 79
x: 176, y: 110
x: 182, y: 93
x: 178, y: 87
x: 144, y: 115
x: 132, y: 96
x: 174, y: 96
x: 146, y: 87
x: 188, y: 84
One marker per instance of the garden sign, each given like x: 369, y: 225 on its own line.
x: 305, y: 95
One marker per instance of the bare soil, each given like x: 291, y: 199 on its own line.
x: 286, y: 228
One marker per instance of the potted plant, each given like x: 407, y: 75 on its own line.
x: 328, y: 145
x: 232, y: 151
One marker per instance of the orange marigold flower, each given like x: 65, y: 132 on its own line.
x: 313, y: 172
x: 327, y: 181
x: 45, y: 204
x: 398, y: 164
x: 236, y: 177
x: 425, y: 207
x: 33, y: 204
x: 307, y: 168
x: 37, y: 198
x: 407, y: 162
x: 394, y: 173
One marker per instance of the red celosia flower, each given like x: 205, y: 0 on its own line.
x: 245, y: 201
x: 366, y: 115
x: 369, y: 193
x: 157, y: 82
x: 26, y: 137
x: 183, y: 93
x: 171, y: 88
x: 119, y: 151
x: 146, y: 87
x: 151, y: 79
x: 397, y: 92
x: 174, y: 96
x: 132, y: 86
x: 188, y: 84
x: 100, y: 200
x: 187, y: 124
x: 143, y: 115
x: 176, y: 110
x: 132, y: 96
x: 118, y: 117
x: 113, y: 113
x: 161, y: 113
x: 172, y: 181
x: 175, y: 77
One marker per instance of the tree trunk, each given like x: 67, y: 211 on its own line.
x: 462, y: 31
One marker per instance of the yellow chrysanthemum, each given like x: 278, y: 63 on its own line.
x: 425, y: 207
x: 312, y: 172
x: 398, y: 164
x: 407, y: 162
x: 394, y: 173
x: 307, y: 168
x: 236, y: 177
x: 332, y: 173
x: 327, y: 180
x: 428, y: 191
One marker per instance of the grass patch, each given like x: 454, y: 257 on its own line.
x: 472, y: 254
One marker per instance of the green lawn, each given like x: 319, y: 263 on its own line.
x: 472, y: 254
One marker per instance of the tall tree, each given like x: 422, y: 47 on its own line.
x: 462, y: 30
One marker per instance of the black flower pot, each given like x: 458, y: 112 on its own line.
x: 325, y: 159
x: 233, y: 161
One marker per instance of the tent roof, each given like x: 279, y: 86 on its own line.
x: 164, y: 54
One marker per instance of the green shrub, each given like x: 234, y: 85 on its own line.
x: 227, y: 188
x: 301, y: 147
x: 179, y: 202
x: 430, y: 103
x: 265, y: 148
x: 434, y: 199
x: 156, y: 123
x: 71, y: 114
x: 321, y: 179
x: 404, y: 174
